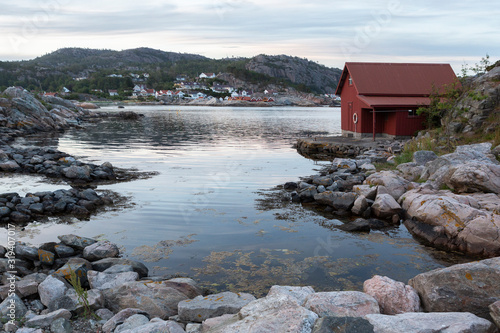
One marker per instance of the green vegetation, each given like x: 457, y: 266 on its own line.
x: 83, y: 297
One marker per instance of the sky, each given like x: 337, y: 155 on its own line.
x: 328, y: 32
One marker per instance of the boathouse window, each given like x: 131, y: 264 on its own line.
x: 350, y: 81
x: 412, y: 113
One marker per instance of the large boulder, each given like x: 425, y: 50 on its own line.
x: 159, y: 299
x: 278, y: 313
x: 337, y: 200
x: 342, y: 325
x: 421, y: 157
x: 99, y: 280
x: 341, y: 304
x: 76, y: 242
x: 51, y: 288
x: 201, y: 308
x: 299, y: 293
x: 475, y: 177
x: 104, y: 264
x: 101, y: 250
x: 392, y: 296
x: 450, y: 222
x: 470, y: 287
x: 454, y: 322
x: 385, y: 206
x: 395, y: 184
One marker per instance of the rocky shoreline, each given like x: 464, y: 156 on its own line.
x: 40, y: 296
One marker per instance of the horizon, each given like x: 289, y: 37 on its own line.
x: 371, y: 31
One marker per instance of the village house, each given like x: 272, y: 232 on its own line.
x: 207, y: 75
x: 113, y: 92
x: 381, y: 99
x: 219, y: 88
x: 53, y: 94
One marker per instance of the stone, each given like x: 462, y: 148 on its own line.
x: 325, y: 181
x: 392, y: 296
x: 368, y: 191
x: 26, y: 252
x: 475, y: 177
x: 346, y: 164
x: 104, y: 314
x: 64, y: 251
x: 290, y: 186
x: 358, y: 225
x: 342, y: 304
x: 159, y: 299
x: 61, y: 325
x: 193, y: 328
x: 46, y: 257
x: 29, y: 284
x: 89, y: 194
x: 19, y: 217
x: 368, y: 168
x: 200, y: 308
x: 100, y: 250
x: 47, y: 319
x: 132, y: 322
x: 13, y: 307
x: 470, y: 287
x: 421, y: 157
x: 104, y: 264
x: 395, y: 184
x: 299, y: 293
x: 385, y: 206
x: 342, y: 325
x: 452, y: 322
x: 50, y: 289
x: 278, y: 313
x: 4, y: 211
x: 308, y: 194
x: 76, y: 242
x: 360, y: 205
x: 95, y: 300
x: 343, y: 201
x: 156, y: 326
x: 120, y: 318
x: 116, y: 269
x: 449, y: 221
x: 79, y: 266
x: 495, y: 312
x: 411, y: 171
x: 77, y: 172
x: 98, y: 280
x: 9, y: 166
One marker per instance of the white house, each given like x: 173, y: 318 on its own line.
x: 197, y: 95
x: 207, y: 75
x: 65, y: 90
x: 246, y: 93
x: 113, y: 92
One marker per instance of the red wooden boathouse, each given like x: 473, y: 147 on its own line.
x: 381, y: 99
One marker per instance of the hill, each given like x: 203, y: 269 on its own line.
x: 64, y: 67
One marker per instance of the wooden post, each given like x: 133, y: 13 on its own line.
x: 374, y: 122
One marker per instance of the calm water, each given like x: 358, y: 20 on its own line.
x: 207, y: 214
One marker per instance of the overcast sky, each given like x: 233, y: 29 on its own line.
x: 329, y: 32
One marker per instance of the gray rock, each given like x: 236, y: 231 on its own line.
x: 98, y: 280
x: 13, y: 308
x: 385, y: 206
x: 29, y: 330
x: 299, y: 293
x: 342, y: 325
x: 4, y: 211
x: 343, y: 201
x: 50, y: 289
x: 9, y: 166
x: 346, y: 164
x: 100, y: 250
x: 193, y: 328
x: 159, y: 299
x: 47, y: 319
x: 454, y: 322
x: 200, y: 308
x: 27, y: 252
x: 120, y: 318
x: 29, y: 284
x: 325, y: 181
x: 395, y: 184
x: 104, y: 264
x: 321, y: 189
x: 392, y: 296
x: 495, y: 312
x: 360, y: 205
x: 116, y: 269
x: 470, y: 287
x: 104, y: 314
x: 19, y: 217
x: 78, y: 172
x: 64, y: 251
x: 76, y: 242
x: 358, y: 225
x: 411, y: 171
x: 308, y: 194
x: 95, y: 300
x: 421, y: 157
x: 475, y: 177
x: 368, y: 191
x: 89, y: 194
x: 342, y: 304
x: 79, y: 266
x: 61, y: 325
x: 158, y: 326
x: 132, y: 322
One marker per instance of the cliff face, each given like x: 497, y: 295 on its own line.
x: 297, y: 70
x: 479, y: 107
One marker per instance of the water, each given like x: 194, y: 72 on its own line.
x: 208, y: 214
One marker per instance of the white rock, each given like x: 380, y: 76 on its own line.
x: 341, y: 304
x: 392, y: 296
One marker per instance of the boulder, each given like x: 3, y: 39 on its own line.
x: 120, y: 318
x: 368, y: 191
x: 385, y: 206
x: 325, y: 181
x: 444, y: 221
x: 159, y: 299
x: 343, y: 201
x: 358, y: 225
x: 299, y: 293
x: 132, y: 322
x: 470, y: 287
x: 64, y: 251
x: 78, y: 172
x: 51, y: 288
x: 157, y: 325
x: 76, y: 242
x: 411, y: 171
x: 13, y: 308
x: 61, y: 325
x: 98, y: 280
x: 94, y: 297
x: 79, y: 266
x: 200, y: 308
x: 278, y: 313
x: 360, y: 205
x: 104, y: 264
x: 475, y: 177
x: 47, y: 319
x: 9, y: 166
x: 341, y: 304
x: 26, y: 252
x: 347, y: 164
x: 392, y: 296
x: 454, y: 322
x: 395, y: 184
x: 421, y: 157
x: 100, y: 250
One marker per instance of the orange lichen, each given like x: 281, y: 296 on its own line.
x: 468, y: 276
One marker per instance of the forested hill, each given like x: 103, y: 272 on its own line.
x: 69, y: 67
